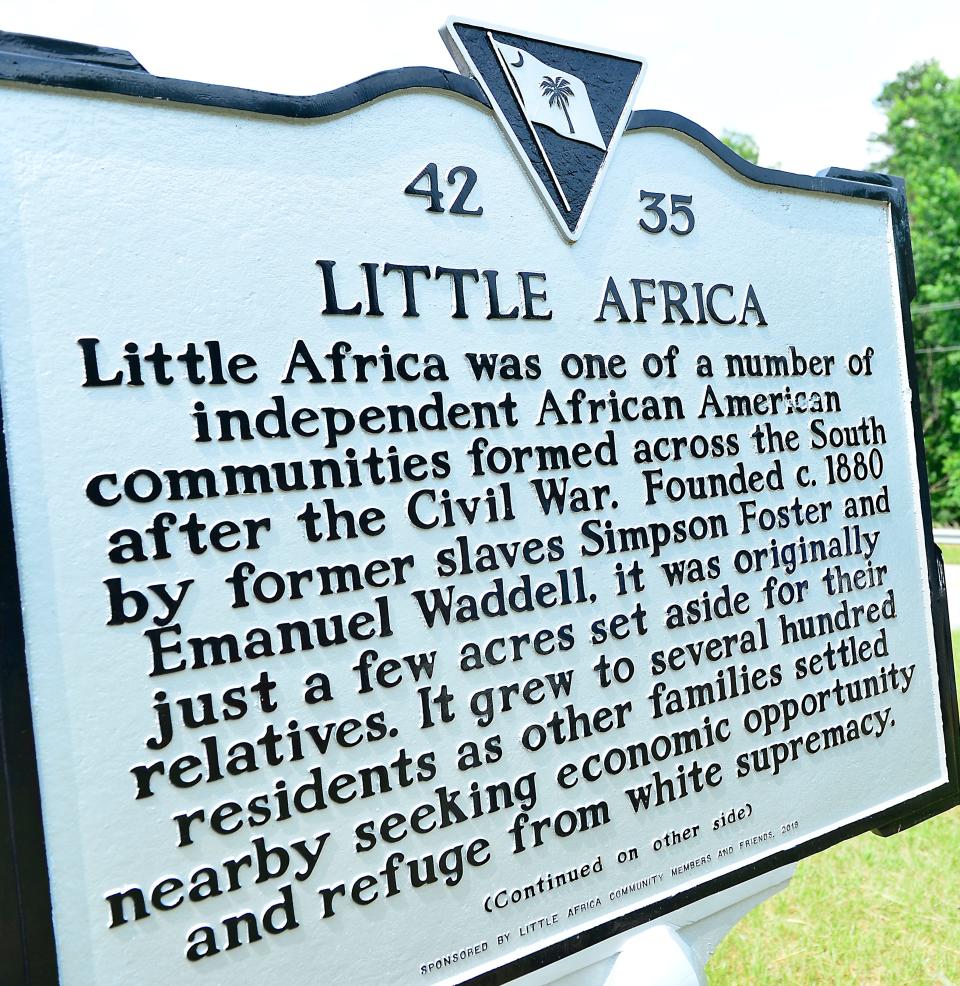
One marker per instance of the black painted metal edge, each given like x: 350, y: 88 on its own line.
x: 28, y: 954
x: 74, y: 51
x: 834, y: 181
x: 45, y: 62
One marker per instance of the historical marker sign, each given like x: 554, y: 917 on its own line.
x: 430, y: 569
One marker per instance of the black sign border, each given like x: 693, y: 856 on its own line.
x: 27, y: 944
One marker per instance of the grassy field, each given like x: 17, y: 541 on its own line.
x: 870, y: 912
x: 951, y: 554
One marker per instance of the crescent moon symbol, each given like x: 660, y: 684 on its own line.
x: 518, y: 64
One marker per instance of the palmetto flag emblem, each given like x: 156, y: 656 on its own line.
x: 562, y: 107
x: 554, y: 98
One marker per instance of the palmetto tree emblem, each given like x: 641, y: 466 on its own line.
x: 559, y: 93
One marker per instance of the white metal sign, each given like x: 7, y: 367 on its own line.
x: 411, y: 594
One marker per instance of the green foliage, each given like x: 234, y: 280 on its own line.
x: 743, y: 144
x: 922, y: 106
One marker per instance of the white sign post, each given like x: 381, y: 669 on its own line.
x: 431, y: 571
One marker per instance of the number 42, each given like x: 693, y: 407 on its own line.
x: 430, y: 176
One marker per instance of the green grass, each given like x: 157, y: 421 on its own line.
x: 869, y: 912
x: 951, y: 554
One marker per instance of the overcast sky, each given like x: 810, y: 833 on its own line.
x: 801, y: 78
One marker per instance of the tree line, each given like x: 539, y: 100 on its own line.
x: 921, y: 144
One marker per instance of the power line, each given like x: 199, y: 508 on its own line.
x: 936, y: 306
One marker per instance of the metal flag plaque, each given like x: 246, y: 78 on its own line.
x: 396, y: 590
x: 563, y: 112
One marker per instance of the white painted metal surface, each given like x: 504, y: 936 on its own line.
x: 130, y: 222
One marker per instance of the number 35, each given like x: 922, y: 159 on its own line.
x: 679, y: 206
